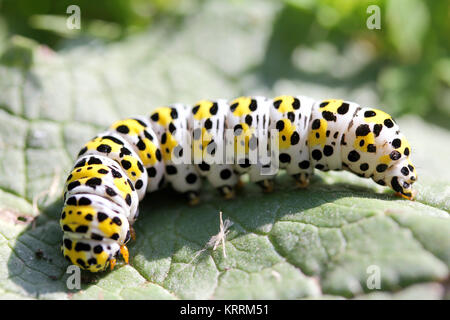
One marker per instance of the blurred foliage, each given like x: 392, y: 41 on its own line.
x: 45, y: 20
x: 409, y: 54
x: 407, y: 60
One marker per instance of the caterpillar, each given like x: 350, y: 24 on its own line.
x: 217, y: 141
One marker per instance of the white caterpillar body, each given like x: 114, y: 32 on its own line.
x: 179, y: 145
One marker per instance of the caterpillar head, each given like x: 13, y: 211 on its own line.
x: 89, y: 254
x: 400, y: 177
x: 93, y: 255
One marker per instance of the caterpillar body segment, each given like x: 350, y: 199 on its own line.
x: 206, y: 121
x: 171, y: 126
x: 330, y: 125
x: 145, y: 143
x: 291, y: 117
x: 219, y: 140
x: 113, y: 146
x: 102, y: 176
x: 249, y: 118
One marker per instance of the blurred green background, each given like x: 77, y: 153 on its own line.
x: 321, y: 42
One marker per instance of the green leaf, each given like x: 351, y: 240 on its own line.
x: 312, y: 243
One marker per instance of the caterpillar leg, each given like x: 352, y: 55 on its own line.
x: 239, y: 185
x: 112, y: 263
x: 193, y: 198
x: 267, y: 185
x: 301, y: 180
x: 132, y: 233
x: 410, y: 197
x: 223, y: 178
x: 125, y: 254
x: 227, y: 192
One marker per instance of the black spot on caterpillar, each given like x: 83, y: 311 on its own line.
x: 115, y: 169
